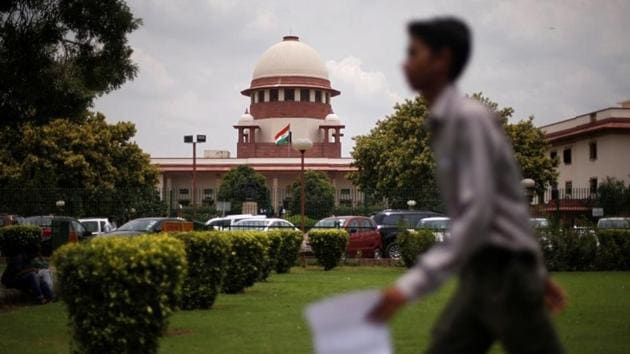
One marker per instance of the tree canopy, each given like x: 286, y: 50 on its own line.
x: 319, y: 195
x: 90, y: 160
x: 394, y: 160
x: 57, y: 56
x: 242, y: 184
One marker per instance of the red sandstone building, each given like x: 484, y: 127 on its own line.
x: 289, y: 87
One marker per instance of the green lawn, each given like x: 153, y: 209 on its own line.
x: 268, y: 317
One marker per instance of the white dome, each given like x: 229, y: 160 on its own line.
x: 333, y: 119
x: 290, y: 58
x: 246, y: 119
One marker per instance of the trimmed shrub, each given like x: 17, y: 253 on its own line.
x: 295, y: 219
x: 247, y: 259
x: 328, y: 246
x: 15, y: 239
x: 289, y: 247
x: 119, y: 291
x: 271, y: 245
x: 413, y: 243
x: 568, y: 250
x: 613, y: 252
x: 207, y: 254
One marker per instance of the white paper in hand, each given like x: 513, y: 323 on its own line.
x: 339, y: 325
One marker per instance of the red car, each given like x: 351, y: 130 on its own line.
x: 365, y: 240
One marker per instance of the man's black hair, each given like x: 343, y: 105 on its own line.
x: 445, y: 33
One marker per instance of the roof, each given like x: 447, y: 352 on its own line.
x: 290, y: 57
x: 174, y: 164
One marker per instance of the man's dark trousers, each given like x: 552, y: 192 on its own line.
x: 500, y: 297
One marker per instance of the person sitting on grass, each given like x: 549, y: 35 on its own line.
x: 22, y: 275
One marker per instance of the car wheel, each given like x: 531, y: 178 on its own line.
x: 378, y: 254
x: 393, y: 250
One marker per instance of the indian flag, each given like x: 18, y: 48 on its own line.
x: 283, y: 136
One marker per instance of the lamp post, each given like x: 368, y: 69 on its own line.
x: 302, y: 145
x: 60, y: 204
x: 190, y: 139
x: 411, y: 204
x: 529, y: 185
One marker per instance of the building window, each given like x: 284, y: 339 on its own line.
x: 345, y: 198
x: 566, y: 156
x: 553, y: 155
x: 592, y: 185
x: 261, y: 96
x: 253, y: 97
x: 208, y: 199
x: 592, y: 150
x: 318, y: 96
x: 273, y: 95
x: 305, y: 95
x: 183, y: 191
x: 568, y: 188
x: 289, y: 94
x: 327, y: 97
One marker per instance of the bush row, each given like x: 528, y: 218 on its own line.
x: 413, y: 243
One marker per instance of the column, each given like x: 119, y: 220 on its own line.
x: 274, y: 195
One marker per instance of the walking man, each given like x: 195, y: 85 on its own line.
x: 504, y: 293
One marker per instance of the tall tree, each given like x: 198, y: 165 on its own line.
x: 56, y: 56
x: 395, y: 163
x: 242, y: 184
x: 93, y: 165
x: 319, y: 195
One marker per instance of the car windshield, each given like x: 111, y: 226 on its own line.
x: 329, y: 223
x: 614, y: 224
x: 91, y: 226
x: 139, y: 225
x: 405, y: 220
x: 434, y: 224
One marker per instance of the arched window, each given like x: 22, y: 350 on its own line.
x: 261, y: 96
x: 305, y: 95
x: 273, y: 95
x: 289, y: 94
x: 318, y: 96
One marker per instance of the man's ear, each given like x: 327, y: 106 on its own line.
x: 443, y: 60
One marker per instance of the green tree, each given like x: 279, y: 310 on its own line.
x: 57, y: 56
x: 92, y: 165
x: 319, y: 195
x: 613, y: 197
x: 394, y: 161
x: 242, y: 184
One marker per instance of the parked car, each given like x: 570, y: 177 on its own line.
x: 226, y: 222
x: 365, y: 240
x: 539, y: 223
x: 150, y: 225
x: 262, y: 224
x: 57, y: 231
x: 97, y: 226
x: 389, y: 222
x: 613, y: 223
x: 438, y: 224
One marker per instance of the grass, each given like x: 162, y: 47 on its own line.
x: 268, y: 317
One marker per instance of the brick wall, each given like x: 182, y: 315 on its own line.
x: 247, y: 150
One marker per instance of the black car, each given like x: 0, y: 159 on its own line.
x: 57, y: 230
x: 389, y: 222
x: 145, y: 226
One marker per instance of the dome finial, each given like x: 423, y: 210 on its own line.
x: 291, y: 38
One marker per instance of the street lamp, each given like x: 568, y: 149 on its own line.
x: 411, y: 204
x: 60, y: 204
x: 190, y: 139
x: 529, y: 185
x: 302, y: 145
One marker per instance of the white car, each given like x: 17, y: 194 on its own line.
x: 226, y: 222
x: 613, y: 223
x: 438, y: 224
x: 539, y: 223
x: 263, y: 225
x: 97, y: 226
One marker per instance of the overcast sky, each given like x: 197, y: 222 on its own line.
x: 550, y: 59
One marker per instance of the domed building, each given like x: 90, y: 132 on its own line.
x: 290, y: 98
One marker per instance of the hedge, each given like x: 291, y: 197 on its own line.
x: 246, y: 260
x: 614, y: 250
x: 207, y: 254
x: 413, y: 243
x: 287, y: 254
x: 271, y: 244
x: 328, y: 246
x: 15, y: 239
x: 119, y: 291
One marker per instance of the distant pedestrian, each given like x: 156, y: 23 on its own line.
x: 21, y: 274
x: 503, y: 283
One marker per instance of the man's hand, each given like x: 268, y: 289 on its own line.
x: 555, y: 297
x: 391, y: 301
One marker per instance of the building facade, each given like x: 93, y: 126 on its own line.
x: 591, y: 147
x: 290, y: 98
